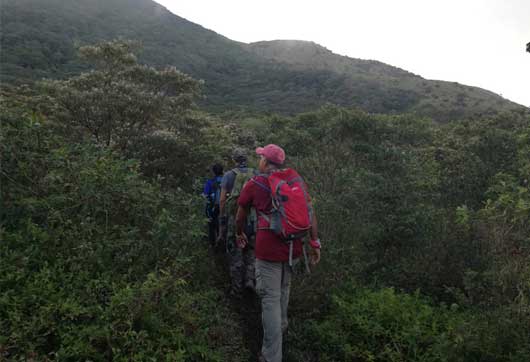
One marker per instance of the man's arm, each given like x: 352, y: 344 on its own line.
x: 226, y: 184
x: 244, y: 204
x: 222, y: 202
x: 222, y: 216
x: 241, y: 219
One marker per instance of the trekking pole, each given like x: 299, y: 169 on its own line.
x: 291, y: 253
x: 307, y: 269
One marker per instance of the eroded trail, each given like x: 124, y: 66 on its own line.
x: 250, y: 315
x: 246, y: 309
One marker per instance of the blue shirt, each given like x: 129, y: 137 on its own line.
x: 208, y: 186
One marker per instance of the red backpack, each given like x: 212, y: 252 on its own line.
x: 291, y: 214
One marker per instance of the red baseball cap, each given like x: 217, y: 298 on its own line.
x: 273, y: 153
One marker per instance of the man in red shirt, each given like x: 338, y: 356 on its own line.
x: 273, y: 272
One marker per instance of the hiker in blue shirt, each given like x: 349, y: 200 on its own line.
x: 212, y: 193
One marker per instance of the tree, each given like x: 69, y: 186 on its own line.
x: 121, y: 101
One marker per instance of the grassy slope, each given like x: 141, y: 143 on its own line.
x: 39, y: 38
x: 438, y: 99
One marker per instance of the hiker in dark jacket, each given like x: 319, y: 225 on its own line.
x: 273, y: 253
x: 241, y: 260
x: 212, y: 193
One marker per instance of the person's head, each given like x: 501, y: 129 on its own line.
x: 272, y: 157
x: 239, y: 155
x: 217, y: 169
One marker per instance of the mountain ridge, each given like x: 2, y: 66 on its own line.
x: 39, y: 38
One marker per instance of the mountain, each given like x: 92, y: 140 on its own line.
x: 39, y: 37
x: 371, y: 82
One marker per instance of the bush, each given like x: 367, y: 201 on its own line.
x: 98, y: 262
x: 384, y: 325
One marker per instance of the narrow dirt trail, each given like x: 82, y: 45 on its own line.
x: 247, y: 308
x: 250, y: 315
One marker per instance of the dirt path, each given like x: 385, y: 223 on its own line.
x: 250, y: 314
x: 247, y: 308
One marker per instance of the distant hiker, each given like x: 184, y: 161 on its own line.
x: 241, y: 259
x: 285, y: 214
x: 212, y: 192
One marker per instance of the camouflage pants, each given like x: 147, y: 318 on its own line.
x: 242, y: 262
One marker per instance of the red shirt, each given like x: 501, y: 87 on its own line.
x: 269, y: 246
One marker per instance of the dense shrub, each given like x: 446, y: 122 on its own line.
x: 98, y: 262
x: 384, y: 325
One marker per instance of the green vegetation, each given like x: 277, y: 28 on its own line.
x: 364, y: 325
x: 101, y: 258
x: 39, y: 39
x: 102, y: 255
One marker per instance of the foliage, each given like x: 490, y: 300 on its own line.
x: 98, y: 262
x: 384, y: 325
x: 121, y: 101
x: 139, y: 111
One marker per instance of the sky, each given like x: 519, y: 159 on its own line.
x: 474, y: 42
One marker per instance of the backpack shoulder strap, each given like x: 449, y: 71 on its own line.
x: 216, y: 182
x: 236, y: 172
x: 266, y: 187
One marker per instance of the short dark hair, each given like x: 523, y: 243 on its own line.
x: 217, y: 169
x: 269, y: 162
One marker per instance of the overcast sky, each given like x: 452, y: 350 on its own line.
x: 475, y: 42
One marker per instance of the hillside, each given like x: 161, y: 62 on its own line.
x: 400, y: 90
x: 104, y: 253
x: 39, y: 39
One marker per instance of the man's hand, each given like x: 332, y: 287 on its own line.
x: 314, y: 255
x: 241, y: 240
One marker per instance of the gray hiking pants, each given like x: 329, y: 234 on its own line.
x: 273, y: 281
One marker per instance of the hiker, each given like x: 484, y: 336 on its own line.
x: 212, y: 193
x: 275, y: 254
x: 241, y: 260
